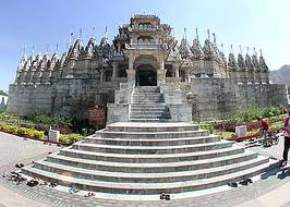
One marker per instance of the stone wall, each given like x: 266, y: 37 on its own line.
x: 68, y: 96
x: 217, y: 98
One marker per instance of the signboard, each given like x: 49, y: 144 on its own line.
x: 53, y: 136
x: 241, y: 131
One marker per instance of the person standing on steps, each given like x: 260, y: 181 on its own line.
x: 286, y: 130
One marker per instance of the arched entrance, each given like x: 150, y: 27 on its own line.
x: 146, y: 75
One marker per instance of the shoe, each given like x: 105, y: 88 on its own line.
x: 167, y: 197
x: 232, y: 184
x: 249, y: 180
x: 162, y: 196
x: 244, y: 182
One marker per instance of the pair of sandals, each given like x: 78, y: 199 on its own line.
x: 20, y: 165
x: 243, y: 182
x: 164, y: 196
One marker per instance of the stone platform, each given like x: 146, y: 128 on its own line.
x: 138, y: 160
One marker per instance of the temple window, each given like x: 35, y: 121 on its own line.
x: 170, y: 72
x: 108, y: 75
x: 182, y: 75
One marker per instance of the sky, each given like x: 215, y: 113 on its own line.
x: 42, y: 24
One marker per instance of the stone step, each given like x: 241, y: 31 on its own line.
x: 148, y: 109
x: 144, y: 120
x: 143, y: 95
x: 151, y: 149
x: 149, y: 112
x: 146, y: 188
x: 151, y: 167
x: 134, y: 116
x: 166, y: 177
x: 154, y: 135
x: 150, y: 158
x: 152, y: 142
x: 151, y: 127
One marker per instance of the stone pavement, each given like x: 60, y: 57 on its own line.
x: 271, y: 187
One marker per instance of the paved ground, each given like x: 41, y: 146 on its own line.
x: 267, y: 192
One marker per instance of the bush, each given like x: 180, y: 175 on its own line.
x: 68, y: 139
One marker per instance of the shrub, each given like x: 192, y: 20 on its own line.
x: 68, y: 139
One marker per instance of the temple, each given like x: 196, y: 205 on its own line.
x: 193, y: 78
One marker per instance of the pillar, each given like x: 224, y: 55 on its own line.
x: 130, y: 71
x: 115, y: 70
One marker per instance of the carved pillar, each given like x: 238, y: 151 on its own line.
x: 115, y: 70
x: 131, y: 71
x: 161, y: 73
x: 176, y: 70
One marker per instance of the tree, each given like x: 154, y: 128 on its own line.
x: 2, y: 93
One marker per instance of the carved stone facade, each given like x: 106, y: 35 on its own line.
x: 144, y: 53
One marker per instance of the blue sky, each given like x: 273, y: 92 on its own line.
x: 255, y: 23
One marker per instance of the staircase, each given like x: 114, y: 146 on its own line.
x: 137, y: 159
x: 148, y: 105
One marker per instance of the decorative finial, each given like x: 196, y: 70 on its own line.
x: 47, y: 48
x: 33, y: 50
x: 231, y: 50
x: 261, y: 53
x: 71, y: 38
x: 208, y: 34
x: 24, y: 52
x: 93, y: 32
x: 56, y: 48
x: 81, y: 33
x: 255, y: 52
x: 214, y: 37
x: 106, y: 32
x: 222, y: 46
x: 184, y: 33
x: 196, y: 33
x: 241, y: 50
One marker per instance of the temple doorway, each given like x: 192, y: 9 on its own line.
x: 146, y: 75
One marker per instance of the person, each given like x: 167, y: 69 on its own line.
x: 264, y: 126
x: 286, y: 131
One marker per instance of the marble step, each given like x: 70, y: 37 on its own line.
x: 149, y: 109
x: 144, y: 95
x: 151, y: 127
x: 146, y: 188
x: 151, y: 149
x: 145, y: 120
x: 151, y: 167
x: 154, y: 135
x: 152, y: 142
x: 133, y: 116
x: 150, y: 158
x: 128, y: 177
x: 149, y: 112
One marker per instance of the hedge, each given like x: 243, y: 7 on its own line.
x: 67, y: 139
